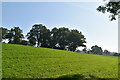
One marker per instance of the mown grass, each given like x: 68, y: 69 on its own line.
x: 31, y: 62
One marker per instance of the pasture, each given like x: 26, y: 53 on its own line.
x: 20, y: 61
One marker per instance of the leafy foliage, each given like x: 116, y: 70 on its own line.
x: 14, y: 35
x: 112, y: 7
x: 58, y: 38
x: 96, y: 50
x: 75, y: 39
x: 4, y: 32
x: 36, y: 34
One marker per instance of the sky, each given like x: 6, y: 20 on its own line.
x: 83, y: 16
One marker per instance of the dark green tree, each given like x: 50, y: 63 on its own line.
x: 62, y: 34
x: 106, y: 52
x: 112, y: 6
x: 10, y: 35
x: 3, y: 32
x: 54, y: 37
x: 58, y: 38
x: 39, y: 35
x: 96, y: 50
x: 45, y: 37
x: 14, y: 35
x: 17, y: 35
x: 75, y: 39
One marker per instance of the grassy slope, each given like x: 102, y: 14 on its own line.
x: 31, y: 62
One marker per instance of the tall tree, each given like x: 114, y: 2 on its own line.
x: 14, y: 35
x: 17, y: 35
x: 75, y: 39
x: 10, y: 35
x: 62, y: 33
x: 54, y: 37
x: 39, y: 35
x: 112, y: 6
x: 45, y: 37
x: 58, y: 37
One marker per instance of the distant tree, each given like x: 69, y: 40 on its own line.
x: 96, y: 50
x: 112, y: 6
x: 116, y: 54
x: 75, y: 39
x: 39, y: 35
x: 106, y: 52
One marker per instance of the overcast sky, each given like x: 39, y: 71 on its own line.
x: 96, y: 27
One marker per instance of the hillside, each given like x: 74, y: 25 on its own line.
x: 31, y: 62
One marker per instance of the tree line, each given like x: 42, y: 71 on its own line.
x: 40, y: 36
x: 99, y: 51
x: 56, y: 38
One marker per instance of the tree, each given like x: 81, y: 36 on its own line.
x: 116, y: 54
x: 96, y: 50
x: 45, y: 37
x: 62, y: 33
x: 106, y: 52
x: 3, y: 32
x: 112, y: 6
x: 10, y: 35
x: 17, y: 35
x: 75, y: 39
x: 39, y: 35
x: 54, y: 37
x: 58, y: 38
x: 14, y: 35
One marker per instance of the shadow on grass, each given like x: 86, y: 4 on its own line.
x: 65, y: 77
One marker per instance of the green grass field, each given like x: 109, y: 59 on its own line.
x: 20, y: 61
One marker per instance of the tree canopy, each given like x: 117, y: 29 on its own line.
x: 112, y: 6
x: 14, y: 35
x: 96, y: 50
x: 39, y: 35
x: 3, y: 32
x: 58, y: 38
